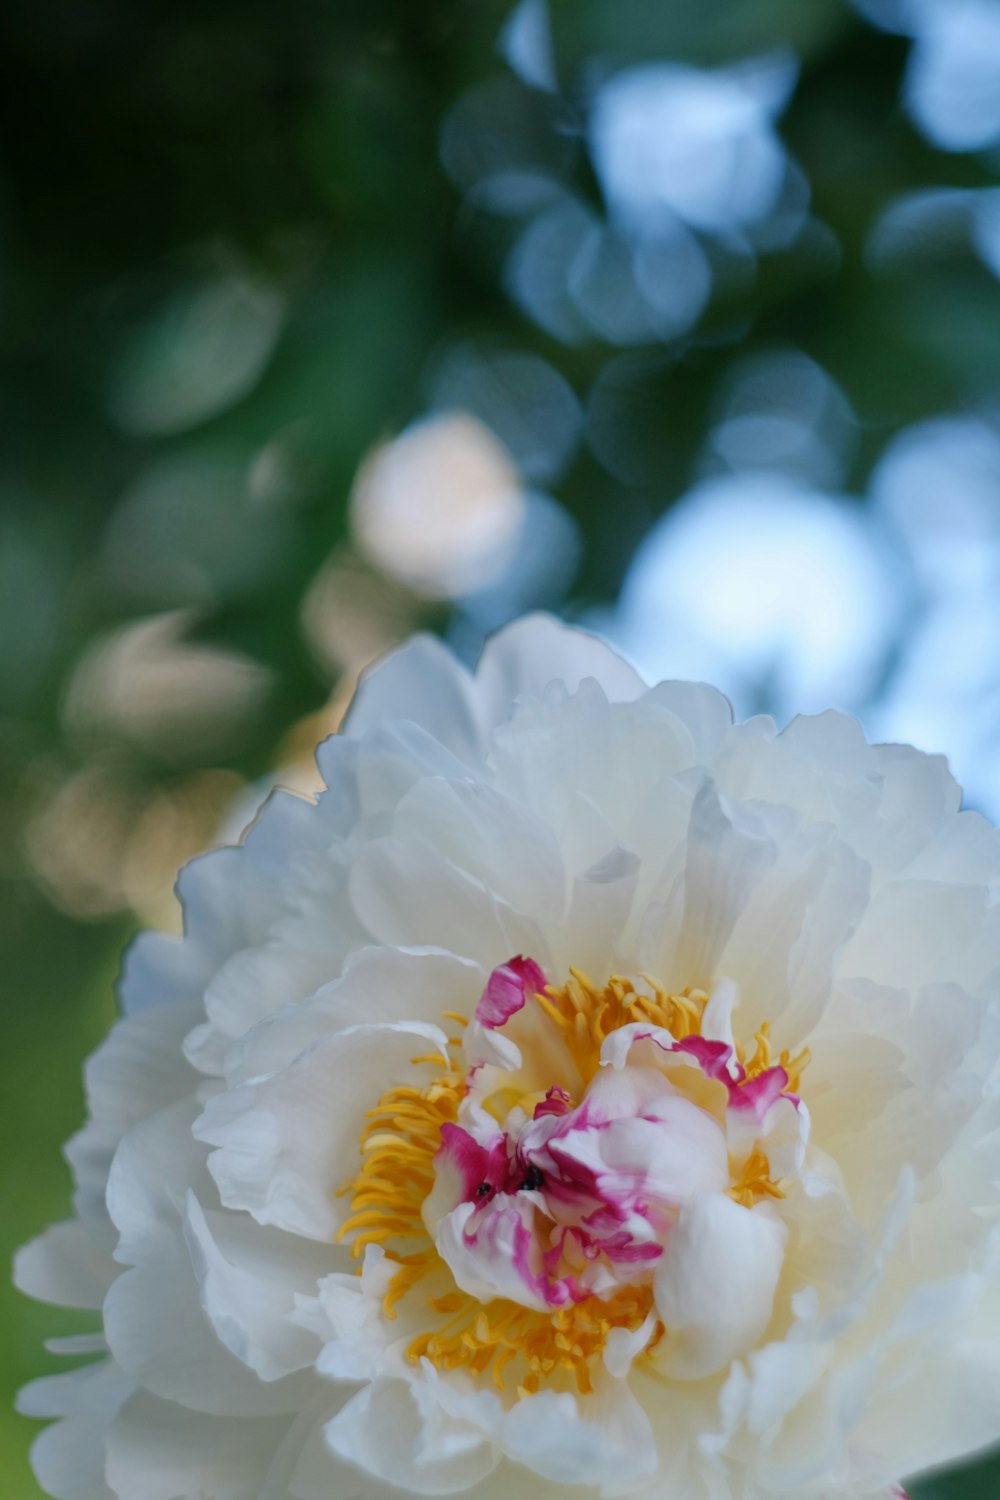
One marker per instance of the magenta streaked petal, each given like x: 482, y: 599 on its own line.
x: 556, y: 1102
x: 623, y: 1249
x: 714, y: 1057
x: 496, y: 1252
x: 557, y: 1291
x: 758, y: 1094
x: 476, y: 1166
x: 507, y: 989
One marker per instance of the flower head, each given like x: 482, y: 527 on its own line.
x: 586, y: 1095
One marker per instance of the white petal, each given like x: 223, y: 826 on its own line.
x: 68, y: 1461
x: 489, y: 837
x: 409, y: 895
x: 715, y: 1284
x: 158, y: 1161
x: 729, y: 848
x: 304, y: 1468
x: 249, y: 988
x: 94, y: 1391
x: 288, y: 1143
x: 387, y: 1430
x: 250, y: 1306
x: 155, y: 1325
x: 523, y: 658
x: 424, y: 682
x: 919, y: 931
x: 705, y: 713
x: 600, y: 906
x: 68, y: 1458
x: 384, y: 984
x: 64, y: 1266
x: 601, y: 1439
x: 348, y: 1314
x: 136, y: 1071
x: 158, y: 1332
x: 158, y: 1451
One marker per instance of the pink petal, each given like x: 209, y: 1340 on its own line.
x: 758, y: 1094
x: 713, y: 1057
x: 556, y: 1102
x: 507, y: 989
x: 477, y: 1167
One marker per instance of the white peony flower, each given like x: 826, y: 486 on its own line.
x: 586, y: 1096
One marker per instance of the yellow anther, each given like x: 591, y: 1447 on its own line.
x: 402, y: 1136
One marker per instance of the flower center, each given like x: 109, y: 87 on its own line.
x: 527, y: 1195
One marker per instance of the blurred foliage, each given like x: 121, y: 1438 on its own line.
x: 240, y: 244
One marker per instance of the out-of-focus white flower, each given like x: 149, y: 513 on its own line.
x: 150, y: 683
x: 952, y: 84
x: 937, y: 487
x: 526, y: 42
x: 670, y: 141
x: 781, y: 411
x: 204, y: 350
x: 935, y: 223
x: 440, y: 507
x: 642, y: 1064
x: 780, y: 594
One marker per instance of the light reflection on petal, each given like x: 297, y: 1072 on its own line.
x: 986, y: 228
x: 101, y: 842
x: 952, y: 84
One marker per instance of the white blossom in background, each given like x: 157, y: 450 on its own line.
x: 695, y: 179
x: 440, y: 506
x: 934, y: 223
x: 444, y: 510
x: 952, y: 85
x: 585, y: 1096
x: 676, y: 142
x: 784, y: 596
x: 937, y: 486
x: 780, y: 411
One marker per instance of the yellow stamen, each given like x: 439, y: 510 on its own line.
x: 587, y: 1013
x: 398, y: 1144
x: 561, y: 1345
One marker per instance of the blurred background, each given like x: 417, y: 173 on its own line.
x: 322, y: 322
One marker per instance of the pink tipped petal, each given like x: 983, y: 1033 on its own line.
x: 507, y: 989
x: 556, y: 1102
x: 624, y: 1250
x: 715, y: 1058
x: 496, y: 1252
x: 478, y: 1166
x: 758, y: 1094
x: 616, y: 1050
